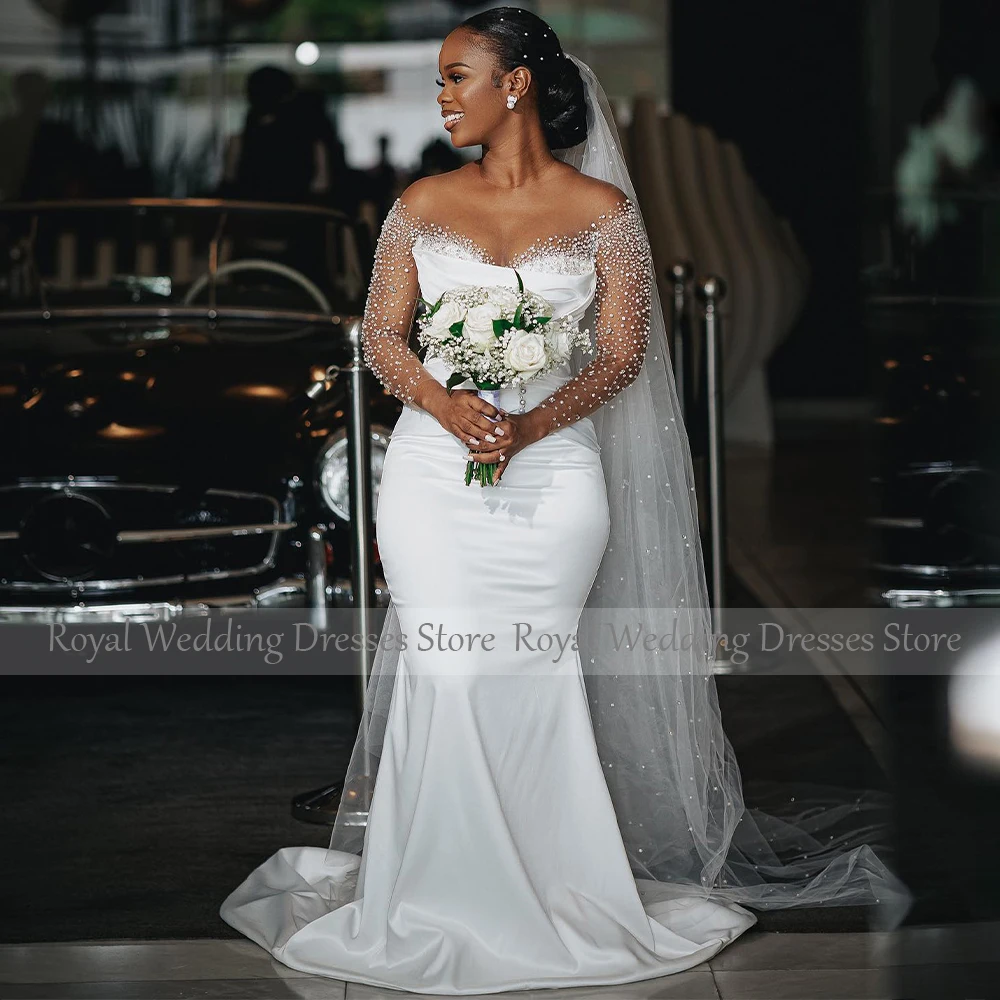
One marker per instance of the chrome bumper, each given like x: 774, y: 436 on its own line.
x: 287, y: 592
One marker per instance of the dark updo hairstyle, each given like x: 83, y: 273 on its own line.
x: 519, y: 38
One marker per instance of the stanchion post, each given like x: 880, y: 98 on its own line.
x: 322, y: 804
x: 359, y: 465
x: 316, y: 575
x: 711, y: 290
x: 680, y: 275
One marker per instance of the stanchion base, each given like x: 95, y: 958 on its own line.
x: 722, y: 662
x: 318, y: 806
x: 321, y: 805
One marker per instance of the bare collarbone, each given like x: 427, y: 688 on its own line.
x: 485, y: 221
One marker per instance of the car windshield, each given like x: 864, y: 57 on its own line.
x: 179, y: 257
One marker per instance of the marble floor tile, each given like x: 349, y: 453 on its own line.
x: 695, y: 984
x: 953, y: 944
x: 138, y: 961
x: 805, y: 952
x: 847, y: 984
x: 307, y: 988
x: 950, y: 981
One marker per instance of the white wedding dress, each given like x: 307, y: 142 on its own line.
x: 492, y: 855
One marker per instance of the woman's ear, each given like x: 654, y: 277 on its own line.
x: 519, y: 81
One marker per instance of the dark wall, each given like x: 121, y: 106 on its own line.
x: 783, y: 80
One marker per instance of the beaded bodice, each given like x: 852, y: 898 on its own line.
x: 607, y: 262
x: 572, y: 254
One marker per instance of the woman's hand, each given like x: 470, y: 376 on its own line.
x: 464, y: 413
x: 506, y: 438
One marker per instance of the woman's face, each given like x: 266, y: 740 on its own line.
x: 466, y: 69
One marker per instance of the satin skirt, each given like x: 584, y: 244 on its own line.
x: 492, y: 857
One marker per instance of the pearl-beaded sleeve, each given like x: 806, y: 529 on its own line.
x: 392, y: 300
x: 622, y: 301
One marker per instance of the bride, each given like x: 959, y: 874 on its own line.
x: 552, y: 808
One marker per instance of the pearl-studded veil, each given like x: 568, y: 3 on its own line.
x: 669, y: 766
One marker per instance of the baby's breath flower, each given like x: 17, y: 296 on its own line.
x: 514, y: 315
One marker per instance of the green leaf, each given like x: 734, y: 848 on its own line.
x: 517, y: 315
x: 455, y: 378
x: 501, y: 326
x: 520, y: 283
x: 543, y: 319
x: 456, y: 328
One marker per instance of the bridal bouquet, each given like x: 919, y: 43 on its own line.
x: 497, y: 338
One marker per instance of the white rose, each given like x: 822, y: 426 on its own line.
x: 506, y: 299
x: 441, y: 321
x: 560, y: 341
x: 478, y: 327
x: 526, y: 353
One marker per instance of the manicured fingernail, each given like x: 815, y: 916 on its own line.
x: 499, y: 430
x: 490, y: 438
x: 474, y: 440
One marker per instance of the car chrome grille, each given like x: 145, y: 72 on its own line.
x: 96, y: 536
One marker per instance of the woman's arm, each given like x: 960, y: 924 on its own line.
x: 623, y: 263
x: 389, y: 309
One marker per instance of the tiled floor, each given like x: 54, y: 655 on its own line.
x: 921, y: 962
x: 774, y: 966
x: 796, y: 541
x: 799, y: 513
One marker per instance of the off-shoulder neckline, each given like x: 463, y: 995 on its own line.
x: 620, y: 209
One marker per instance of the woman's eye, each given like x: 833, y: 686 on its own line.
x: 440, y: 83
x: 454, y: 76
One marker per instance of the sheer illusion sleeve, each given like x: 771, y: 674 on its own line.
x: 389, y: 309
x: 623, y: 264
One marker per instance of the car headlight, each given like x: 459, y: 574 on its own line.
x: 332, y: 476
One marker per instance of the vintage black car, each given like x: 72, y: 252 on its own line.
x: 931, y: 317
x: 174, y: 409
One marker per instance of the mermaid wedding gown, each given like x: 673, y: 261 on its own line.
x: 492, y: 856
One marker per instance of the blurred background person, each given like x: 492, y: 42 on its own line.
x: 41, y: 158
x: 277, y: 156
x: 437, y: 157
x: 383, y: 179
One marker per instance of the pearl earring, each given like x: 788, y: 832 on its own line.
x: 511, y: 101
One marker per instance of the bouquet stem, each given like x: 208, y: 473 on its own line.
x: 484, y: 472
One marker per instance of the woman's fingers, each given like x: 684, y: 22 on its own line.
x: 498, y: 432
x: 485, y: 457
x: 483, y: 414
x: 501, y: 438
x: 470, y: 431
x: 501, y: 431
x: 480, y: 404
x: 477, y: 426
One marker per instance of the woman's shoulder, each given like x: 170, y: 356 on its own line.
x: 427, y: 196
x: 596, y: 203
x: 614, y: 220
x: 592, y: 193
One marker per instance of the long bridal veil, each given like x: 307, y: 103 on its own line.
x: 670, y: 768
